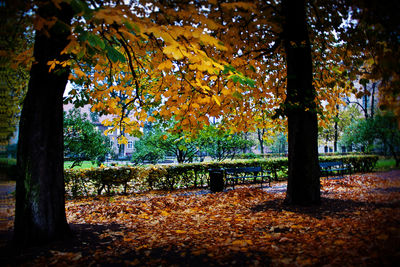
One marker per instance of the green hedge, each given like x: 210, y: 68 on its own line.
x: 139, y: 178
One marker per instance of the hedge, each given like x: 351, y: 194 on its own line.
x: 8, y: 169
x: 126, y: 179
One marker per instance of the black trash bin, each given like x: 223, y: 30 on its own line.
x: 216, y: 180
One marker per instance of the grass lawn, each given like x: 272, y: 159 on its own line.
x: 84, y: 165
x: 385, y: 164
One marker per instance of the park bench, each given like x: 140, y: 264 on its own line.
x: 334, y: 168
x: 234, y: 175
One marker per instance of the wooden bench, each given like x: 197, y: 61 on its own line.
x: 233, y: 175
x: 334, y: 168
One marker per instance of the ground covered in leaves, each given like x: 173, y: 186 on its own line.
x: 357, y: 224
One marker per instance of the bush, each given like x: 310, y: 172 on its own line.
x: 139, y: 178
x: 250, y: 156
x: 8, y: 169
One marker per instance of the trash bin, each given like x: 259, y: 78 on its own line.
x: 216, y: 180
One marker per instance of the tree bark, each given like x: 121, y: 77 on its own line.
x: 336, y: 135
x: 40, y: 204
x: 260, y: 134
x: 300, y: 108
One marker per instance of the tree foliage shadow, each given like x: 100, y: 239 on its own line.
x: 91, y: 239
x: 333, y: 207
x: 85, y: 239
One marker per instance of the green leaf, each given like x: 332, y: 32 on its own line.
x: 114, y: 54
x: 228, y: 68
x: 78, y: 6
x: 238, y: 95
x: 249, y: 82
x: 95, y: 41
x: 83, y: 36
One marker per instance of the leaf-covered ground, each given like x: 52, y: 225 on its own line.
x: 358, y: 224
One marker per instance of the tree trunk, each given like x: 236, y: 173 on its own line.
x: 336, y: 136
x: 300, y: 108
x: 40, y: 204
x: 261, y: 139
x: 365, y: 99
x: 373, y: 100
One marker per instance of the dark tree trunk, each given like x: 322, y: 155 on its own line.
x: 373, y: 100
x: 365, y: 99
x: 260, y: 133
x: 40, y: 204
x: 336, y: 136
x: 303, y: 177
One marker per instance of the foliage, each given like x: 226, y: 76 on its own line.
x: 279, y: 143
x: 385, y: 164
x: 158, y: 142
x: 221, y: 145
x: 183, y: 147
x: 82, y: 141
x: 16, y: 44
x: 250, y: 156
x: 378, y: 132
x: 8, y: 169
x: 185, y: 73
x: 140, y: 178
x: 146, y: 152
x: 332, y: 129
x: 375, y: 27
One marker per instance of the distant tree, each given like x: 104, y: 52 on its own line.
x: 82, y: 141
x: 381, y: 131
x: 387, y: 132
x: 146, y: 149
x: 331, y: 130
x: 183, y: 147
x: 16, y: 49
x: 220, y: 144
x: 156, y: 143
x: 279, y: 143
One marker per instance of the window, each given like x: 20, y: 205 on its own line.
x: 130, y: 144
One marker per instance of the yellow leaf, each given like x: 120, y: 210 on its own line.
x: 52, y: 64
x: 165, y: 65
x: 164, y: 213
x: 122, y: 140
x: 339, y: 242
x: 173, y: 51
x: 180, y: 231
x: 216, y: 100
x: 79, y: 73
x: 242, y: 242
x: 151, y: 119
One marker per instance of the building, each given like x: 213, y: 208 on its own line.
x: 122, y: 151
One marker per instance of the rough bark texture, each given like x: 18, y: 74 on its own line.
x: 303, y: 177
x: 40, y: 204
